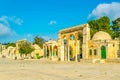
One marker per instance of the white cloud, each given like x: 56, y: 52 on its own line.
x: 5, y: 29
x: 3, y: 20
x: 52, y: 22
x: 111, y: 10
x: 16, y: 20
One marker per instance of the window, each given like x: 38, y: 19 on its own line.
x: 72, y: 37
x: 90, y: 51
x: 113, y: 45
x: 95, y: 52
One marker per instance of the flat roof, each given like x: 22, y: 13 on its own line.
x: 74, y: 28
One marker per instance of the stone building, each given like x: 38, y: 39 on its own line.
x: 102, y: 46
x: 38, y: 51
x: 51, y: 50
x: 71, y: 48
x: 18, y: 43
x: 13, y: 52
x: 2, y: 50
x: 10, y: 52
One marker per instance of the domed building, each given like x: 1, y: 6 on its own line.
x: 102, y: 46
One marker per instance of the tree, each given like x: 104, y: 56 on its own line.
x: 93, y: 27
x: 10, y: 44
x: 26, y: 48
x: 116, y: 24
x: 101, y: 24
x: 39, y: 41
x: 116, y: 28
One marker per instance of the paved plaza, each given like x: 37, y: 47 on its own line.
x: 49, y: 70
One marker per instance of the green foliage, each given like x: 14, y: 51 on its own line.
x: 10, y: 44
x: 102, y: 24
x: 116, y: 28
x: 116, y: 24
x: 116, y: 34
x: 38, y: 56
x: 26, y: 48
x: 80, y: 37
x: 39, y: 41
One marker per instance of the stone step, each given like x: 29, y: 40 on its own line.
x: 86, y: 60
x: 113, y: 60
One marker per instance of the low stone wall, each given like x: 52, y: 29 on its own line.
x: 113, y: 60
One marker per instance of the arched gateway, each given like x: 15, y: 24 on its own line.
x: 69, y: 44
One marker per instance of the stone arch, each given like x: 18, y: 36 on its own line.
x: 44, y: 47
x: 79, y: 36
x: 47, y: 51
x: 50, y: 50
x: 72, y: 37
x: 15, y: 52
x: 55, y: 51
x: 70, y: 53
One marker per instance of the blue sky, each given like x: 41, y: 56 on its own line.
x: 20, y: 19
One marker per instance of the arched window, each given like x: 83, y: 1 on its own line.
x: 95, y: 52
x: 55, y: 52
x: 72, y: 37
x: 90, y: 51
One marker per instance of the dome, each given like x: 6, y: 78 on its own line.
x: 101, y: 35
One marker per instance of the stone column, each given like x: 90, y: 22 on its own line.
x: 49, y: 51
x: 68, y: 55
x: 46, y: 51
x: 62, y: 53
x: 86, y: 38
x: 76, y: 52
x: 52, y: 52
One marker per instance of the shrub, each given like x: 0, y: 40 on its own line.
x: 38, y: 56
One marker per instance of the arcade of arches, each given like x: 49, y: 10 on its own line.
x: 51, y: 50
x: 74, y: 44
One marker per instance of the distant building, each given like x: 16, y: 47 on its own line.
x: 38, y: 51
x: 13, y: 52
x: 51, y: 50
x: 18, y: 43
